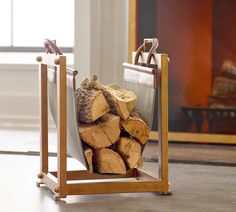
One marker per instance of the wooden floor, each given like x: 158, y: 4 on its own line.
x: 209, y: 154
x: 195, y: 188
x: 27, y: 142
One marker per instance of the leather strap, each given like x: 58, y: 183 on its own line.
x: 151, y: 53
x: 51, y: 47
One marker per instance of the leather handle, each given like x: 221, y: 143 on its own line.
x: 51, y: 47
x: 152, y: 51
x: 154, y: 42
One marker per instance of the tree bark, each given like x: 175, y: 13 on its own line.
x: 91, y: 105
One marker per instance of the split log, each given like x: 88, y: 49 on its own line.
x: 130, y: 151
x: 91, y: 105
x: 228, y: 69
x: 102, y: 133
x: 137, y: 128
x: 223, y: 86
x: 89, y: 157
x: 109, y: 162
x: 222, y: 102
x: 140, y: 162
x: 121, y: 101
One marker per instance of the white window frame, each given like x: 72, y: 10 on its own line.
x: 23, y: 49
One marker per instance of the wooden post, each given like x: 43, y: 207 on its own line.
x: 43, y: 110
x: 163, y: 124
x: 61, y: 127
x: 132, y: 33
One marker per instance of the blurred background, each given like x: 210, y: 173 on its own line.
x: 98, y: 36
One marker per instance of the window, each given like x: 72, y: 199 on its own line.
x: 26, y: 23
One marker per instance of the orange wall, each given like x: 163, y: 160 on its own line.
x: 184, y: 28
x: 224, y: 33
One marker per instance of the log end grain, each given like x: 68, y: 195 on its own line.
x: 102, y: 133
x: 121, y: 101
x: 91, y: 105
x: 107, y: 161
x: 137, y: 128
x: 89, y: 157
x: 130, y: 151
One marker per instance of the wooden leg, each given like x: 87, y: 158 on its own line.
x: 61, y: 128
x: 163, y: 124
x: 43, y: 119
x: 56, y: 197
x: 168, y: 192
x: 39, y: 183
x: 132, y: 28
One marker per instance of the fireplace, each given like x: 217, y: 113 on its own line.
x: 198, y: 36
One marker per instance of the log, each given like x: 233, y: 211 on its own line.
x: 137, y: 128
x: 121, y: 101
x: 140, y: 162
x: 107, y: 161
x: 228, y: 69
x: 89, y: 157
x: 223, y: 86
x: 102, y: 133
x: 99, y: 130
x: 130, y: 151
x: 222, y: 102
x: 91, y: 105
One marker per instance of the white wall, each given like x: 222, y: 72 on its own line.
x: 101, y: 38
x: 18, y: 95
x: 100, y: 48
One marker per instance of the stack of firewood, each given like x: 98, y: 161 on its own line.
x: 224, y: 87
x: 112, y: 132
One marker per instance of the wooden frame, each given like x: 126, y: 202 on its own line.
x: 60, y: 182
x: 172, y: 136
x: 132, y: 29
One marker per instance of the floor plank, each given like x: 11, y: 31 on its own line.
x: 195, y: 153
x: 27, y: 142
x: 195, y: 188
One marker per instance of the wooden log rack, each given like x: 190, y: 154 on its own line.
x: 60, y: 182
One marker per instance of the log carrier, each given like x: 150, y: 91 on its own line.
x: 61, y: 95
